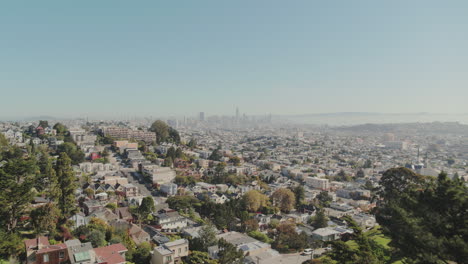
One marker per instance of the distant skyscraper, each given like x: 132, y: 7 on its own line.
x: 237, y: 113
x: 202, y: 116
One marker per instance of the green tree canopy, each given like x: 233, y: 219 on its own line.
x: 17, y: 177
x: 284, y: 199
x: 164, y: 133
x: 287, y: 238
x: 425, y: 217
x: 199, y: 257
x: 146, y: 207
x: 324, y: 199
x: 228, y: 253
x: 216, y: 154
x: 254, y: 200
x: 3, y: 140
x: 67, y: 185
x: 60, y: 128
x: 207, y: 238
x: 320, y: 220
x: 44, y: 218
x: 43, y: 123
x: 73, y: 152
x: 299, y: 194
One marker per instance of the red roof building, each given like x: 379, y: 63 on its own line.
x: 39, y: 251
x: 113, y: 254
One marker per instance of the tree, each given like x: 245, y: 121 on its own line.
x: 368, y: 185
x: 287, y: 238
x: 320, y: 220
x: 182, y: 202
x: 179, y: 154
x: 216, y: 154
x: 342, y: 176
x: 3, y: 140
x: 184, y: 180
x: 161, y: 129
x: 174, y: 136
x: 111, y: 206
x: 171, y: 153
x: 11, y: 245
x: 299, y: 194
x: 324, y: 199
x: 228, y: 253
x: 366, y: 252
x: 142, y: 253
x: 254, y: 200
x: 47, y: 178
x: 260, y: 236
x: 146, y: 208
x: 220, y: 168
x: 284, y: 199
x: 235, y: 160
x: 43, y: 123
x: 97, y: 238
x: 207, y: 238
x: 251, y: 225
x: 168, y: 162
x: 60, y: 128
x: 431, y: 210
x: 360, y: 173
x: 67, y: 185
x: 367, y: 164
x: 192, y: 143
x: 199, y: 257
x: 44, y: 218
x: 73, y: 152
x: 17, y: 176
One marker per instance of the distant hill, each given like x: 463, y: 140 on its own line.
x: 357, y: 118
x: 419, y: 128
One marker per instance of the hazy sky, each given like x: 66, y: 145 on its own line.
x: 105, y: 58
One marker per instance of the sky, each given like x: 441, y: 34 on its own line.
x: 111, y: 58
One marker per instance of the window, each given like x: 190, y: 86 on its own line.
x: 180, y: 250
x: 186, y: 249
x: 46, y: 258
x: 61, y: 254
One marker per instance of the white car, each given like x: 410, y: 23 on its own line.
x: 308, y: 251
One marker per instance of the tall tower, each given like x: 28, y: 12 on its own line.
x: 202, y: 116
x: 237, y: 113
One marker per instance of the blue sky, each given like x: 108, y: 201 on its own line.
x: 150, y: 58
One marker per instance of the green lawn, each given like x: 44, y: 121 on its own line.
x: 376, y: 235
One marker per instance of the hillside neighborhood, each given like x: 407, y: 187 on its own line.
x: 223, y: 190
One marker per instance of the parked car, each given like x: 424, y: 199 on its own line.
x: 308, y: 251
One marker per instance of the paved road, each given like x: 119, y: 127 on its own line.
x: 132, y: 177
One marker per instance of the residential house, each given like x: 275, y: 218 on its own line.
x: 171, y: 220
x: 326, y: 234
x: 169, y: 189
x: 171, y: 252
x: 112, y: 254
x: 124, y: 214
x: 79, y: 219
x: 39, y: 251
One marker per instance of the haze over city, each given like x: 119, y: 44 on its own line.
x: 234, y: 132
